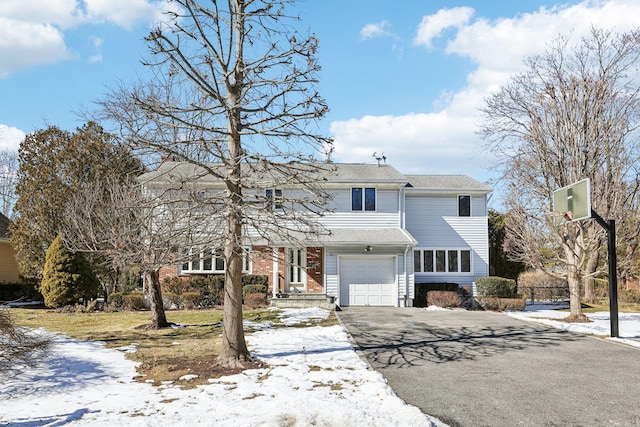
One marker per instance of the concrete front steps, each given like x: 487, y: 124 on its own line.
x: 303, y: 300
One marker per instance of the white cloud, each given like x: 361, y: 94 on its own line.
x: 371, y: 31
x: 432, y: 26
x: 10, y: 137
x: 24, y: 44
x: 32, y: 32
x: 445, y: 141
x: 124, y: 13
x: 60, y: 13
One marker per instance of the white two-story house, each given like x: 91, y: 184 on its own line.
x: 386, y: 232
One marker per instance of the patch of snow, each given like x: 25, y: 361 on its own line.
x: 314, y: 378
x: 600, y: 325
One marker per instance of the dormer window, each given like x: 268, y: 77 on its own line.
x: 363, y: 199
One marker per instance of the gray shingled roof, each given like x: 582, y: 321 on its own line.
x: 366, y: 236
x: 361, y: 172
x: 446, y: 183
x: 336, y: 173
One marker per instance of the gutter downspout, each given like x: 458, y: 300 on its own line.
x: 406, y: 276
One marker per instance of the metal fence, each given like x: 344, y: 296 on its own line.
x: 542, y: 294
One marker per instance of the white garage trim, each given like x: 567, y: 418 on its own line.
x: 368, y: 280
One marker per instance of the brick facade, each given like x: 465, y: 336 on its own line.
x: 262, y: 264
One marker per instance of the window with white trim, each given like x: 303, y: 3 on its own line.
x: 211, y: 261
x: 274, y: 198
x: 363, y: 199
x: 442, y: 261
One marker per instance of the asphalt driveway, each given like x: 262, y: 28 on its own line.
x: 488, y: 369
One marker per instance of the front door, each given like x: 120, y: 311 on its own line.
x: 296, y: 275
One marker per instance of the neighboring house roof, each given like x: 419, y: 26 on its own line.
x: 446, y: 183
x: 4, y: 227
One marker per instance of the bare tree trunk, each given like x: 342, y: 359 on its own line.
x: 234, y: 347
x: 589, y: 279
x: 574, y: 281
x: 158, y: 317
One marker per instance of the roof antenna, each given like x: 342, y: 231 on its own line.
x: 378, y: 158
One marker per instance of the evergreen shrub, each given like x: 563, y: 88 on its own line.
x: 496, y: 287
x: 116, y: 299
x: 67, y: 278
x: 134, y: 301
x: 254, y: 289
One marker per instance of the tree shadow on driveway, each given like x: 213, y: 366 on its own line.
x: 411, y: 343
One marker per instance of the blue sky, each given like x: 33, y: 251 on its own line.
x: 404, y: 78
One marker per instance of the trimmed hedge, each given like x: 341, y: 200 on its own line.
x: 134, y: 302
x: 501, y: 304
x: 254, y: 289
x: 255, y: 300
x: 496, y: 287
x: 445, y: 299
x: 422, y: 289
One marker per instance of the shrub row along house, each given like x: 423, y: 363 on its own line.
x: 384, y: 232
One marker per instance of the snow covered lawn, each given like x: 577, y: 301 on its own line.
x: 314, y: 378
x: 628, y: 323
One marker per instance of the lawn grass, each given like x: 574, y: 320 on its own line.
x: 163, y: 354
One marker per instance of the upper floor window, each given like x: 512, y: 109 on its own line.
x: 274, y: 198
x: 363, y: 199
x: 464, y: 205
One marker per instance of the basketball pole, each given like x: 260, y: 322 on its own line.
x: 610, y: 226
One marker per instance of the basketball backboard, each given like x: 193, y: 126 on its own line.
x: 573, y: 202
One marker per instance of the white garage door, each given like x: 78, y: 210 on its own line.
x: 368, y: 281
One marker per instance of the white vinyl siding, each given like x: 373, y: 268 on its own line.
x: 435, y: 223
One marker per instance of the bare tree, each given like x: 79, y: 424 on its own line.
x: 8, y: 181
x: 573, y: 114
x: 127, y: 225
x: 19, y: 346
x: 233, y: 95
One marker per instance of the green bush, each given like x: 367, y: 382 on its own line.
x: 67, y: 277
x: 446, y: 299
x: 496, y: 287
x: 190, y: 300
x: 255, y: 279
x: 133, y: 301
x: 254, y: 289
x: 176, y: 285
x: 116, y: 299
x: 501, y: 304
